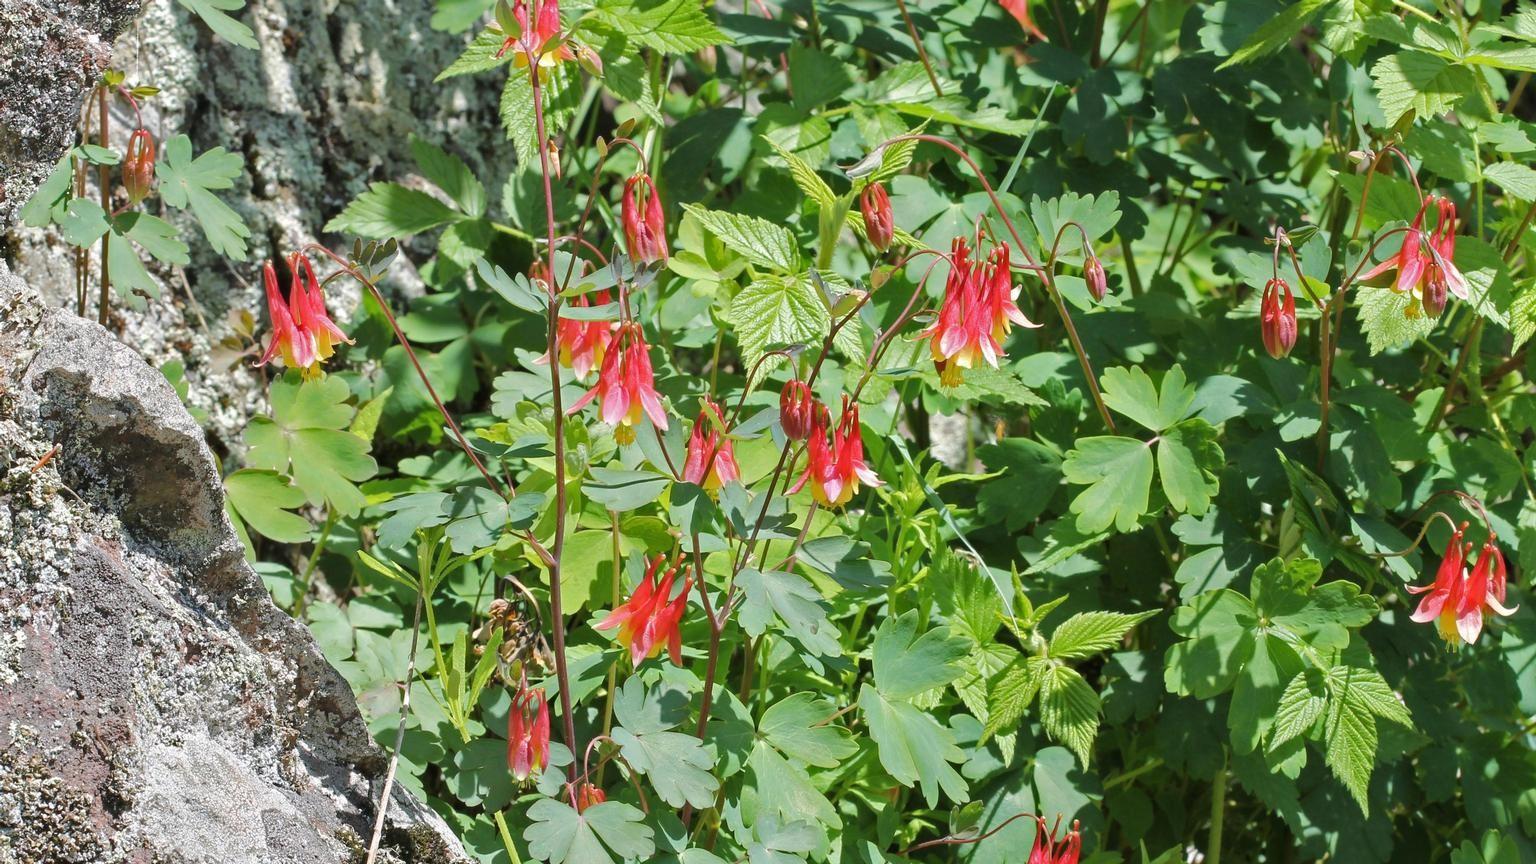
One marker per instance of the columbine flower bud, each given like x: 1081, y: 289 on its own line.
x: 645, y: 230
x: 879, y: 225
x: 1093, y: 274
x: 1434, y: 291
x: 139, y: 166
x: 797, y: 409
x: 1277, y: 318
x: 588, y: 794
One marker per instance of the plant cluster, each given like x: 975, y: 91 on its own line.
x: 633, y: 534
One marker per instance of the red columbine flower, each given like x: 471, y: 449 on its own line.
x: 582, y: 345
x: 626, y: 384
x: 645, y: 231
x: 1456, y: 599
x: 835, y: 471
x: 588, y: 794
x: 879, y: 225
x: 976, y: 315
x: 302, y: 331
x: 711, y: 456
x: 1047, y: 851
x: 1277, y: 318
x: 799, y: 411
x: 139, y: 166
x: 1427, y: 264
x: 1019, y: 9
x: 528, y: 732
x: 542, y: 39
x: 652, y: 614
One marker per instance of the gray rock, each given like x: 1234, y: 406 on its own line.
x: 154, y: 704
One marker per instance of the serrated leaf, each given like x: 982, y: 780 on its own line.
x: 1349, y: 738
x: 186, y: 183
x: 390, y: 210
x: 1514, y: 178
x: 1276, y: 33
x: 1425, y: 83
x: 1389, y: 319
x: 673, y: 26
x: 479, y: 56
x: 1069, y: 710
x: 777, y: 310
x: 561, y: 97
x: 450, y: 174
x: 806, y: 177
x: 1088, y: 633
x: 1302, y: 702
x: 1011, y: 694
x: 759, y: 241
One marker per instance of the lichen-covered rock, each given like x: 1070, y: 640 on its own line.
x: 53, y: 51
x: 154, y: 704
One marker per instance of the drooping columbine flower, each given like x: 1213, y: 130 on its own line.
x: 1048, y: 851
x: 582, y: 345
x: 541, y: 39
x: 588, y: 794
x: 302, y: 331
x: 1019, y: 9
x: 528, y: 732
x: 835, y: 469
x: 799, y: 410
x: 879, y: 224
x: 645, y: 230
x: 652, y: 614
x: 626, y: 384
x: 139, y: 166
x: 976, y: 315
x: 711, y: 456
x: 1456, y: 599
x: 1277, y: 318
x: 1427, y: 259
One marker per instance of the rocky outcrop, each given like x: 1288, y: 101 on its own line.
x: 154, y: 704
x: 51, y: 52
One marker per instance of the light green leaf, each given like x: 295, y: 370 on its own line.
x: 1302, y: 702
x: 1425, y: 83
x: 561, y: 94
x: 1069, y: 710
x: 1011, y: 694
x: 264, y: 501
x: 1188, y: 462
x: 1119, y: 473
x: 777, y: 310
x: 759, y: 241
x: 1349, y: 738
x: 1389, y: 319
x: 673, y: 26
x: 806, y: 177
x: 213, y: 13
x: 784, y: 787
x: 1129, y: 390
x: 480, y: 56
x: 1088, y: 633
x: 913, y: 747
x: 84, y: 222
x: 450, y: 174
x: 1514, y: 178
x: 1276, y: 33
x: 795, y: 601
x: 155, y: 235
x: 186, y: 183
x: 677, y: 765
x: 306, y: 438
x: 391, y: 210
x: 558, y: 834
x: 907, y: 664
x: 797, y: 725
x: 620, y: 490
x: 38, y: 211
